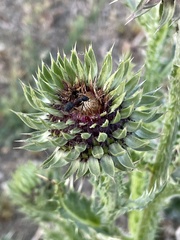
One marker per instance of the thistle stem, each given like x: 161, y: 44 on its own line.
x: 150, y: 216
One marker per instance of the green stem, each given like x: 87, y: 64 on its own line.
x: 150, y: 216
x: 137, y: 187
x: 164, y: 153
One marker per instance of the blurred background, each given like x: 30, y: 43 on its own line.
x: 29, y: 31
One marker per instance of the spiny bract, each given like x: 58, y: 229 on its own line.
x: 95, y: 120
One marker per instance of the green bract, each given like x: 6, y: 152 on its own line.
x: 94, y: 120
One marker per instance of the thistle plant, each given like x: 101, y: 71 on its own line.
x: 95, y: 120
x: 97, y: 123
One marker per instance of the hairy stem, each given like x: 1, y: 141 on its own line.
x: 150, y: 216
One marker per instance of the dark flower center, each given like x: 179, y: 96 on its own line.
x: 84, y: 105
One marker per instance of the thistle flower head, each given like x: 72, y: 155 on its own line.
x: 94, y: 119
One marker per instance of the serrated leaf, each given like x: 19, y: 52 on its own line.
x: 115, y: 149
x: 94, y: 167
x: 97, y: 152
x: 107, y: 165
x: 79, y: 208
